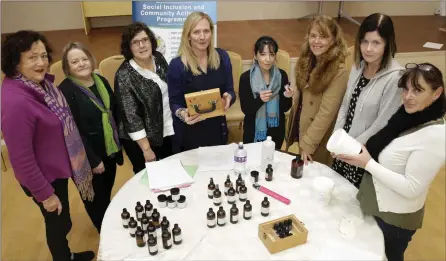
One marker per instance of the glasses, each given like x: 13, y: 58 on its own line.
x: 422, y: 67
x: 145, y: 40
x: 35, y: 58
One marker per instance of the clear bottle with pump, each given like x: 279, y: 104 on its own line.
x: 240, y: 158
x: 268, y: 148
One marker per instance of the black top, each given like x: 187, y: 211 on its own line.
x: 351, y: 173
x: 352, y: 107
x: 88, y: 120
x: 250, y: 106
x: 140, y: 101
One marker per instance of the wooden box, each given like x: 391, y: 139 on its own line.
x: 276, y: 244
x: 206, y: 103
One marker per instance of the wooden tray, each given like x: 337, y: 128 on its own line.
x: 276, y: 244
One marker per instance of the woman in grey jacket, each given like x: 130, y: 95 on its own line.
x: 372, y: 95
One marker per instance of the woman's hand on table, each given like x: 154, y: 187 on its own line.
x: 149, y: 155
x: 306, y: 157
x: 359, y: 160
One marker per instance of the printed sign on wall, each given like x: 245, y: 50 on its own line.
x: 166, y: 20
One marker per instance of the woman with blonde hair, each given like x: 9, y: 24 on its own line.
x: 198, y: 67
x: 321, y: 80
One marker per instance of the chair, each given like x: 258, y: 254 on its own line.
x: 235, y: 114
x: 236, y: 62
x: 108, y: 68
x: 56, y: 70
x: 283, y: 61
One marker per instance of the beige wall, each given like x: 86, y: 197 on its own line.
x: 45, y: 16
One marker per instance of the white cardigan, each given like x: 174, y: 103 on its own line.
x: 406, y: 168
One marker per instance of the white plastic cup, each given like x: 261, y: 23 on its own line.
x: 342, y: 143
x: 323, y: 187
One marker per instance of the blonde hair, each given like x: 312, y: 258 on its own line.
x: 75, y: 45
x: 188, y: 57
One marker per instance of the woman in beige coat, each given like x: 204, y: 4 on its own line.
x: 321, y: 80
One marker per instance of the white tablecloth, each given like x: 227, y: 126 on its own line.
x: 240, y: 241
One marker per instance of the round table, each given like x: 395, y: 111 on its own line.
x: 240, y: 241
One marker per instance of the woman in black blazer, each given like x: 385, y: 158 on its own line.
x: 93, y: 106
x: 146, y: 125
x: 265, y: 95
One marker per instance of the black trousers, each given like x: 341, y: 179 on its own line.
x: 396, y: 239
x: 102, y: 186
x: 136, y: 156
x: 57, y: 226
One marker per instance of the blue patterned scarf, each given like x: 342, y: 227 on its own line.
x: 268, y: 114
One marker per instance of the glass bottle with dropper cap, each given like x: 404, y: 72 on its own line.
x: 211, y: 218
x: 176, y: 232
x: 153, y: 246
x: 125, y: 218
x: 217, y: 196
x: 211, y: 188
x: 234, y: 214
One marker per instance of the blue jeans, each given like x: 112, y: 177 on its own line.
x: 396, y: 239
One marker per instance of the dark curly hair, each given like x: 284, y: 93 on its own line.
x: 129, y: 32
x: 17, y: 43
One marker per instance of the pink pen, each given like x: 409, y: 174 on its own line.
x: 164, y: 190
x: 271, y: 193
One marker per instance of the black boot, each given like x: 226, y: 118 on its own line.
x: 83, y: 256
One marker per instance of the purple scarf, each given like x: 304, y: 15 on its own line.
x: 56, y: 102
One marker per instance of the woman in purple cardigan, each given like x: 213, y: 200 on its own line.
x: 44, y: 145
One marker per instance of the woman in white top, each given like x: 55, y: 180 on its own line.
x: 145, y: 119
x: 403, y: 158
